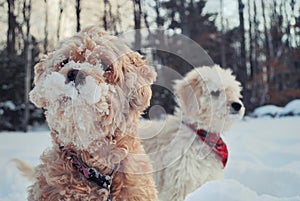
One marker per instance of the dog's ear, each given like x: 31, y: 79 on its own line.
x: 188, y: 91
x: 139, y: 83
x: 35, y: 95
x: 38, y: 71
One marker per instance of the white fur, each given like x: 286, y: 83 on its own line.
x: 182, y: 161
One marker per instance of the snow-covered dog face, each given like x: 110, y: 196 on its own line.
x: 92, y: 85
x: 210, y: 97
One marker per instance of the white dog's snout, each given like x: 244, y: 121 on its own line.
x: 236, y: 106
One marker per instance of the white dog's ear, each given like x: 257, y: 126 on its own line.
x: 187, y: 91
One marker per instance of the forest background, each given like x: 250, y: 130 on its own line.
x: 259, y: 40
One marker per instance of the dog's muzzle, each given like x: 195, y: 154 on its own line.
x: 236, y: 106
x: 76, y: 76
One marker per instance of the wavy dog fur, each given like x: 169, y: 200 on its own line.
x: 182, y: 162
x: 96, y: 115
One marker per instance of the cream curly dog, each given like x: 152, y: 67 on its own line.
x: 186, y: 149
x: 93, y: 89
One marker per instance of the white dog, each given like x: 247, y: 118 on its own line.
x: 186, y: 149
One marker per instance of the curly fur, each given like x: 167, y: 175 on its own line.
x: 181, y: 161
x: 95, y: 115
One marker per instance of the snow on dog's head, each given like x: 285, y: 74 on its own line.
x: 92, y: 85
x: 210, y: 97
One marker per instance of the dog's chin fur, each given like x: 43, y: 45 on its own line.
x: 96, y: 115
x: 181, y: 160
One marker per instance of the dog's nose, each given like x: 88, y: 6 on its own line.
x: 236, y: 106
x: 76, y: 76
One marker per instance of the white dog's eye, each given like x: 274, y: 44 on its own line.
x: 215, y: 93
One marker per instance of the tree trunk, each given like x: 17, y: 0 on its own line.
x: 137, y: 8
x: 183, y: 19
x: 256, y: 35
x: 267, y: 40
x: 255, y: 70
x: 268, y: 58
x: 250, y: 40
x: 61, y: 10
x: 105, y: 15
x: 287, y: 16
x: 223, y: 51
x: 28, y: 63
x: 46, y: 28
x: 78, y: 10
x: 159, y: 21
x: 242, y: 71
x: 11, y: 36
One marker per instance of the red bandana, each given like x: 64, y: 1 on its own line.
x: 214, y: 141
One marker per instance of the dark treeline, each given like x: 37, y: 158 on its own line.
x: 263, y: 50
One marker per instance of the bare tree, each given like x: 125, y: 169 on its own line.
x: 78, y: 10
x: 255, y: 38
x: 11, y: 37
x: 118, y: 20
x: 159, y: 20
x: 297, y: 20
x: 223, y: 53
x: 137, y: 12
x: 46, y: 28
x: 105, y: 15
x: 145, y: 14
x: 266, y: 33
x: 243, y: 70
x: 267, y: 54
x: 61, y: 10
x: 28, y: 61
x: 184, y: 18
x: 250, y: 40
x: 254, y: 51
x: 109, y: 20
x: 288, y: 27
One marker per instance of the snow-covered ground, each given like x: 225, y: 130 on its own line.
x: 264, y: 162
x: 290, y: 109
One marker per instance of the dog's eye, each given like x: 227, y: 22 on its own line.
x: 64, y: 62
x: 215, y: 93
x: 106, y: 67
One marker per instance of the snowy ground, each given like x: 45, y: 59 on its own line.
x: 264, y: 162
